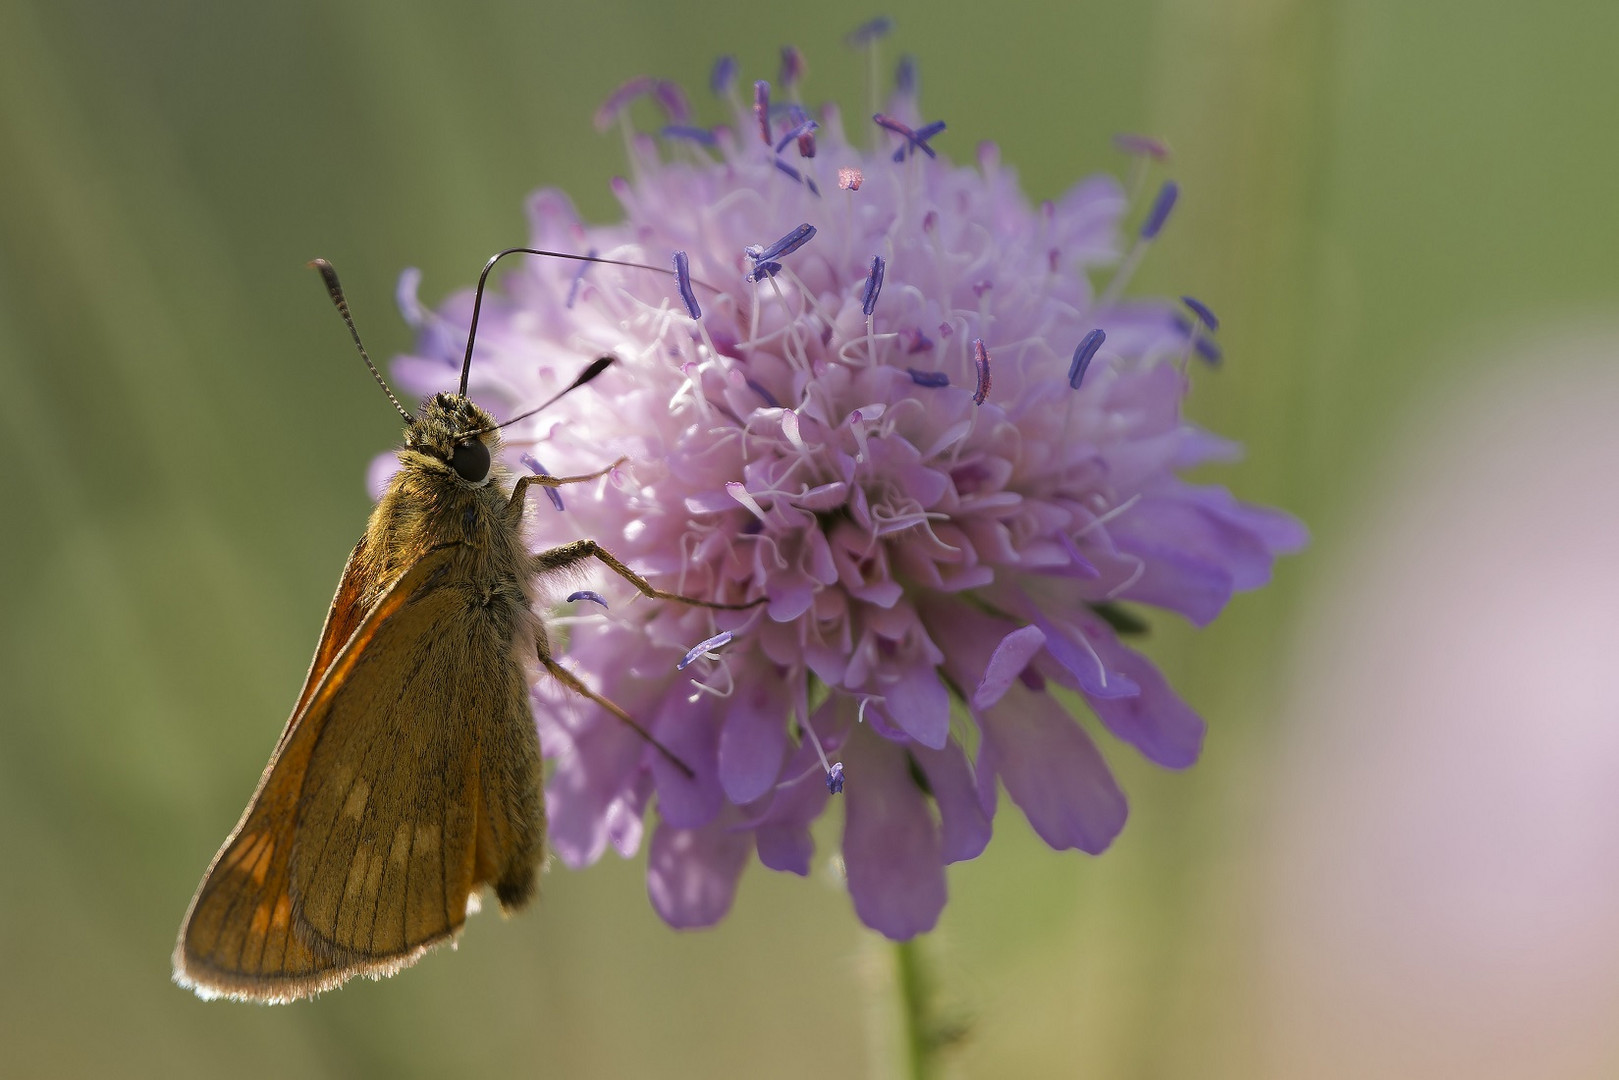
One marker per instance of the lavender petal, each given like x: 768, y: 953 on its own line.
x: 692, y: 874
x: 891, y: 847
x: 1053, y: 772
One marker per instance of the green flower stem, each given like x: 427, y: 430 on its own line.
x: 915, y: 1003
x: 924, y: 1033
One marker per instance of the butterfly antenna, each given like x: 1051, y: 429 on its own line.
x: 335, y: 289
x: 477, y: 299
x: 593, y: 369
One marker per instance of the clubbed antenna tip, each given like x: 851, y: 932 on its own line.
x: 334, y: 289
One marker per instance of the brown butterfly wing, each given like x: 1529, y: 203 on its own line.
x: 341, y: 621
x: 246, y: 933
x: 384, y: 857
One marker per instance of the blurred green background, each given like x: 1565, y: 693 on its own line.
x: 1370, y: 191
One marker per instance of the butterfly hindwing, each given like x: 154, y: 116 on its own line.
x: 246, y: 934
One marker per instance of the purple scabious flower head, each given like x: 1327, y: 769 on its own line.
x: 806, y: 416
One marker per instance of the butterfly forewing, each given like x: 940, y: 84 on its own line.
x: 341, y: 622
x: 309, y: 891
x: 383, y: 861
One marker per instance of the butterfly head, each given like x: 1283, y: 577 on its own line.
x: 453, y: 430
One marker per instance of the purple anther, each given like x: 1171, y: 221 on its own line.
x: 1204, y: 315
x: 763, y: 270
x: 620, y: 98
x: 905, y: 76
x: 834, y: 778
x: 915, y: 341
x: 930, y: 221
x: 1082, y: 356
x: 788, y: 170
x: 532, y: 464
x: 785, y: 246
x: 914, y: 139
x: 761, y: 109
x: 723, y: 76
x: 769, y: 398
x: 806, y: 144
x: 717, y: 641
x: 803, y: 128
x: 982, y: 286
x: 850, y: 179
x: 918, y: 140
x: 981, y: 363
x: 1204, y: 347
x: 683, y: 278
x: 874, y: 284
x: 1143, y: 145
x: 928, y: 378
x: 695, y: 134
x: 792, y: 65
x: 673, y: 100
x: 888, y: 123
x: 579, y: 279
x: 926, y: 132
x: 868, y: 32
x: 586, y: 594
x: 1161, y: 206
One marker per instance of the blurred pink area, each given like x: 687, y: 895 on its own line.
x: 1445, y: 874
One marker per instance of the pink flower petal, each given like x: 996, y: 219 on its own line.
x: 964, y: 824
x: 686, y: 729
x: 753, y: 740
x: 691, y: 874
x: 919, y: 703
x: 1053, y: 772
x: 1155, y: 721
x: 890, y: 844
x: 1011, y: 656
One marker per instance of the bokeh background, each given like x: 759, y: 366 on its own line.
x: 1400, y: 854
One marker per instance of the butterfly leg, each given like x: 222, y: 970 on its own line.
x: 574, y: 683
x: 566, y: 555
x: 514, y: 507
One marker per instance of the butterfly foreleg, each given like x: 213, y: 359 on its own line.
x: 566, y: 555
x: 514, y: 507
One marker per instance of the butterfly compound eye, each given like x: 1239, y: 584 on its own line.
x: 471, y: 461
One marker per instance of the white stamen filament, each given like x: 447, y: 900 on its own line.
x: 1141, y: 568
x: 820, y: 753
x: 1109, y: 516
x: 721, y: 667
